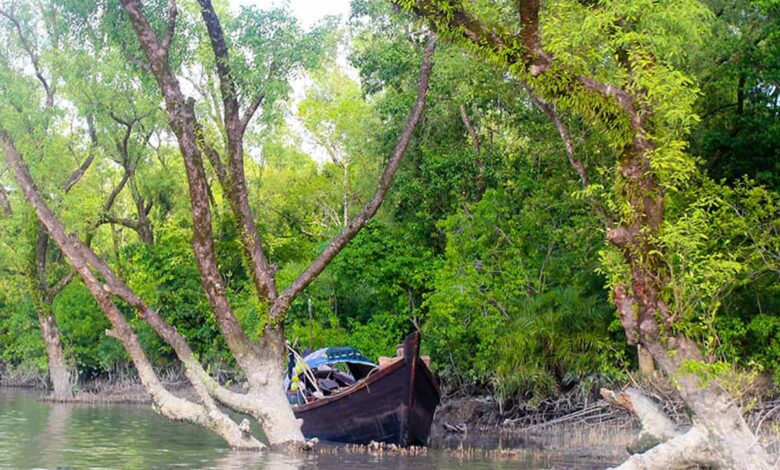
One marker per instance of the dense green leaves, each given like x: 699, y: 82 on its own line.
x: 487, y: 242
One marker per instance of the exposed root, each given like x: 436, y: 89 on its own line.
x: 656, y: 426
x: 719, y: 438
x: 681, y: 452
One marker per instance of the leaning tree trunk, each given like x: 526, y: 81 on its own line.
x: 205, y: 411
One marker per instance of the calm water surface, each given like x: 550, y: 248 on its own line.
x: 66, y: 436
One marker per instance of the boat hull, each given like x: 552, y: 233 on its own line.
x: 394, y: 405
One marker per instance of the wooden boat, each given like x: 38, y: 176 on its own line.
x: 393, y: 403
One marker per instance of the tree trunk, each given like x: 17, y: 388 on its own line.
x: 59, y: 373
x: 648, y: 322
x: 262, y: 363
x: 279, y: 422
x: 5, y: 204
x: 731, y: 443
x: 43, y: 297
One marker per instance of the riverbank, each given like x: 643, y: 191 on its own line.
x: 456, y: 414
x: 38, y: 434
x: 579, y: 424
x: 74, y: 435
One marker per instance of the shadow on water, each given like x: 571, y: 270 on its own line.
x: 34, y: 434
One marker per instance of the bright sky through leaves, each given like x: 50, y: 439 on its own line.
x: 308, y: 11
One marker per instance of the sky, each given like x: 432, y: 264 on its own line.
x: 307, y: 11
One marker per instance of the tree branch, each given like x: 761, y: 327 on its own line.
x: 261, y: 270
x: 112, y: 219
x: 221, y: 56
x: 55, y: 290
x: 453, y: 19
x: 181, y: 120
x: 340, y: 241
x: 41, y: 248
x: 170, y: 26
x: 33, y: 58
x: 211, y: 153
x: 251, y: 110
x: 79, y: 172
x: 464, y: 116
x: 115, y: 192
x: 655, y: 424
x: 549, y: 110
x: 450, y: 17
x: 249, y: 113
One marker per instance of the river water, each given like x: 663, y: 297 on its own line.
x: 35, y: 434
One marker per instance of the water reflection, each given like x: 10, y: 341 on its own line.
x: 44, y: 435
x: 233, y: 460
x: 54, y: 437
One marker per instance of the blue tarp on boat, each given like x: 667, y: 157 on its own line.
x: 335, y: 355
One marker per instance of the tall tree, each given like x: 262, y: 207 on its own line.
x: 243, y: 93
x: 260, y: 362
x: 620, y: 69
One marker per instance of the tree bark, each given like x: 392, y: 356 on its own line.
x: 59, y: 372
x: 686, y: 451
x: 646, y: 361
x: 474, y: 137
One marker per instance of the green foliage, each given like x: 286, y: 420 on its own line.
x: 487, y: 242
x: 740, y: 120
x: 20, y: 336
x: 506, y: 309
x: 556, y: 340
x: 82, y: 326
x: 268, y: 47
x: 166, y: 277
